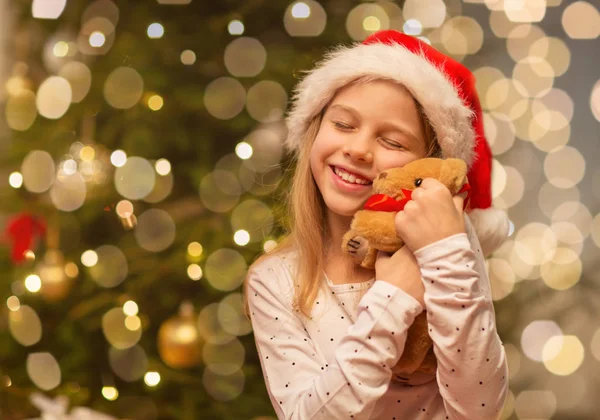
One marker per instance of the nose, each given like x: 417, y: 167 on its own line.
x: 359, y: 148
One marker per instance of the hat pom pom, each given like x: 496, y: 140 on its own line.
x: 492, y: 227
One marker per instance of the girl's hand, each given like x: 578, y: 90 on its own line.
x: 401, y: 270
x: 432, y: 214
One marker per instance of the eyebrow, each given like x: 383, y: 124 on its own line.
x: 388, y: 126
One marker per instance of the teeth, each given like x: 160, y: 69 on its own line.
x: 349, y: 177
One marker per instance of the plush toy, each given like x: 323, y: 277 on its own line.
x: 373, y: 229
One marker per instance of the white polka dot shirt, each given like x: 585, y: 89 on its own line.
x: 337, y: 365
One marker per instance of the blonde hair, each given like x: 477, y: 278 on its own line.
x: 305, y: 227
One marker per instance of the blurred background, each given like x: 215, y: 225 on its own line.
x: 140, y: 161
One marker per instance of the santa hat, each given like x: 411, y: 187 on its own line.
x: 443, y: 87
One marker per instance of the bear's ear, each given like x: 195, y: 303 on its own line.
x: 453, y: 174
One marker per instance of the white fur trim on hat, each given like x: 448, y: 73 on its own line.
x: 491, y: 226
x: 449, y: 116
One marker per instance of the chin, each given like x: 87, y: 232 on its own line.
x: 343, y: 210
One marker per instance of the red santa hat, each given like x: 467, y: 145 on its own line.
x: 443, y: 87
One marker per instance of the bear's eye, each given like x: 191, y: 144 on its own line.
x: 418, y: 182
x: 383, y: 175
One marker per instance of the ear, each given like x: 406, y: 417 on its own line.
x: 453, y: 174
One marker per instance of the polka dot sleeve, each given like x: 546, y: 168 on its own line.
x: 472, y: 370
x: 301, y: 383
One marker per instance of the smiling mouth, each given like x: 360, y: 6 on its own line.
x: 349, y: 177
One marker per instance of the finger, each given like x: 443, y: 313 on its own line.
x: 459, y: 202
x: 431, y: 183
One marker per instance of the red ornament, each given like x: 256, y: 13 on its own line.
x: 23, y: 230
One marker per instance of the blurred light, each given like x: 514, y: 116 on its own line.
x: 54, y: 97
x: 29, y: 255
x: 194, y: 249
x: 15, y: 180
x: 130, y: 308
x: 136, y: 179
x: 97, y: 39
x: 581, y: 20
x: 430, y: 13
x: 118, y: 158
x: 536, y: 335
x: 155, y: 30
x: 155, y: 102
x: 162, y: 167
x: 17, y: 288
x: 43, y: 370
x: 412, y: 27
x: 155, y: 230
x: 89, y: 258
x: 188, y: 57
x: 300, y: 10
x: 13, y: 303
x: 525, y: 11
x: 305, y: 19
x: 563, y: 355
x: 269, y: 245
x: 152, y: 378
x: 20, y: 110
x: 461, y: 35
x: 71, y: 270
x: 366, y: 18
x: 33, y: 283
x: 225, y: 269
x: 371, y: 24
x: 595, y: 100
x: 110, y: 393
x: 266, y: 101
x: 194, y: 272
x: 87, y: 153
x: 6, y: 381
x: 69, y: 166
x: 61, y: 49
x: 111, y: 267
x: 224, y: 97
x: 123, y: 88
x: 535, y: 405
x: 235, y: 27
x: 241, y: 237
x: 47, y: 9
x: 245, y: 57
x: 564, y: 167
x: 563, y: 271
x: 124, y: 208
x: 133, y: 322
x: 243, y: 150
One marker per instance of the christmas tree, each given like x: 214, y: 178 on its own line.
x: 143, y: 164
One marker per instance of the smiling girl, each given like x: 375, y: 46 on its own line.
x: 328, y: 331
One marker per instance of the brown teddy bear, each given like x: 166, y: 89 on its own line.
x: 373, y: 229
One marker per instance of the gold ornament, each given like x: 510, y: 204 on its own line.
x: 55, y: 282
x: 179, y: 341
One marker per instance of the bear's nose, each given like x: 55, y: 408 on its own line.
x: 383, y: 175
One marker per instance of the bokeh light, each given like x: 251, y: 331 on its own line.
x: 43, y: 370
x: 245, y: 57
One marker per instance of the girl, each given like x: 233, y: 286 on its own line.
x: 327, y: 331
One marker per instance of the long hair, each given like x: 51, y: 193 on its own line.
x: 306, y: 228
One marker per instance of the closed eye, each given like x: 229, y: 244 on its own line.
x: 392, y: 143
x: 342, y: 126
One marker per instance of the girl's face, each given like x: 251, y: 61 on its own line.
x: 368, y: 128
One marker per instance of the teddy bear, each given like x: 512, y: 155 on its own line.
x: 372, y: 229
